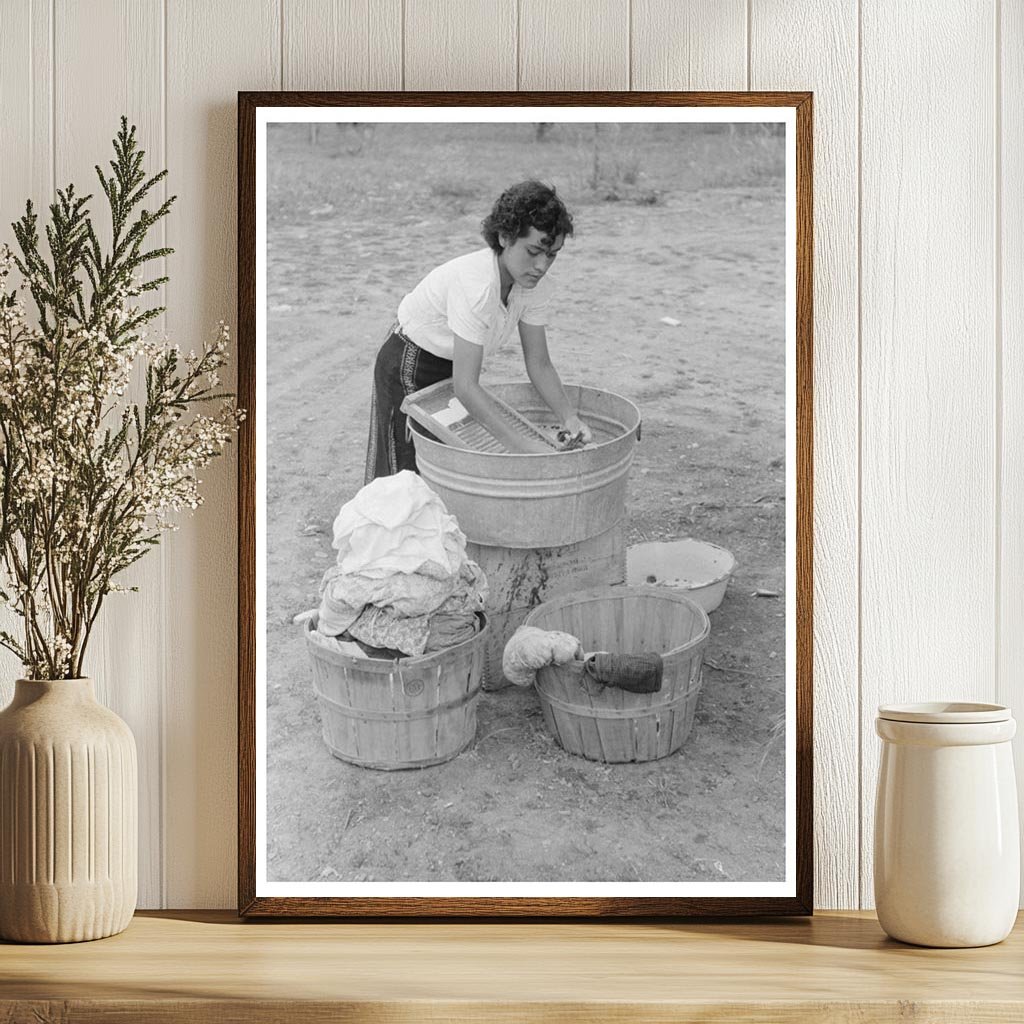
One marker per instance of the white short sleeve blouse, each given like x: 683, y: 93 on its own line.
x: 463, y: 297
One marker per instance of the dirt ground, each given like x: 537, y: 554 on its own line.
x: 672, y: 221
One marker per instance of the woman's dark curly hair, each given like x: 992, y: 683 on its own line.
x: 520, y: 207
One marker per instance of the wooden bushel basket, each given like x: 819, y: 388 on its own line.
x: 605, y: 723
x: 405, y: 713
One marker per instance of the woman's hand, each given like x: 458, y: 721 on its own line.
x: 576, y: 428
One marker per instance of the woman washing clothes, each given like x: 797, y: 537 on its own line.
x: 467, y: 309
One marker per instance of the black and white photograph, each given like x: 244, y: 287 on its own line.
x: 525, y: 487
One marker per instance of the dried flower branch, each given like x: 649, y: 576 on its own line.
x: 88, y: 478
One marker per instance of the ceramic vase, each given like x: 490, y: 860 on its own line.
x: 68, y: 815
x: 947, y: 848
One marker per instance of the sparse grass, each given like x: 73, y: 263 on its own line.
x: 460, y: 194
x: 615, y: 170
x: 419, y: 166
x: 453, y: 188
x: 776, y: 735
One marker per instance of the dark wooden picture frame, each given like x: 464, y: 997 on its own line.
x: 253, y: 905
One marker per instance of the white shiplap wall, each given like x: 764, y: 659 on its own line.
x: 919, y: 307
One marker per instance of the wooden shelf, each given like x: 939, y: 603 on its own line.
x: 208, y: 966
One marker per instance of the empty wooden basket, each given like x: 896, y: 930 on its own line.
x: 612, y: 725
x: 406, y: 713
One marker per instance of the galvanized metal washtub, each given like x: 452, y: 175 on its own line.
x: 512, y: 500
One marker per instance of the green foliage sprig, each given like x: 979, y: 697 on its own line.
x: 89, y: 478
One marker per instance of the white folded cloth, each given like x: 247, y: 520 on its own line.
x: 398, y: 524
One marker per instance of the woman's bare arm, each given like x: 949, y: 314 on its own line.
x: 479, y: 404
x: 545, y: 379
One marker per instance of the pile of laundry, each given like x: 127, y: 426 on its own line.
x: 402, y: 584
x: 530, y: 649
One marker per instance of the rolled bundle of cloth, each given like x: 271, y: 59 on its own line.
x: 402, y: 580
x: 530, y: 649
x: 637, y: 673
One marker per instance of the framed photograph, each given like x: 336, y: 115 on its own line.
x: 525, y: 493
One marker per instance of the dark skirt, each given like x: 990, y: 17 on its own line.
x: 402, y: 367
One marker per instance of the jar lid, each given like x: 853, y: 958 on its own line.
x: 945, y: 712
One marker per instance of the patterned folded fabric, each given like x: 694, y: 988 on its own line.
x: 380, y: 628
x: 344, y: 595
x: 448, y: 630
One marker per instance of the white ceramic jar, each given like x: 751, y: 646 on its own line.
x: 947, y: 848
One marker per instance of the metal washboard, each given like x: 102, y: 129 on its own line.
x: 438, y: 410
